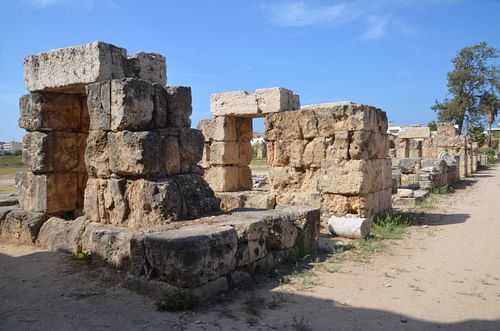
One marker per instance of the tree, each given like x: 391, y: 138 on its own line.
x: 432, y: 125
x: 489, y: 107
x: 476, y: 134
x: 473, y: 76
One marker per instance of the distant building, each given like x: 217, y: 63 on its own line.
x: 12, y: 146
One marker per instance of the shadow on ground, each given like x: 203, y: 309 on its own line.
x: 50, y: 291
x: 435, y: 219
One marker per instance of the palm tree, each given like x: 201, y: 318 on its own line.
x: 489, y: 107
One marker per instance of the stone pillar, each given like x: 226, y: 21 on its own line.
x: 105, y: 135
x: 227, y: 151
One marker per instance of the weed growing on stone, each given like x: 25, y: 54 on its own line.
x: 179, y: 300
x: 84, y: 255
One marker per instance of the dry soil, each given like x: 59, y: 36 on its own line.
x: 444, y: 274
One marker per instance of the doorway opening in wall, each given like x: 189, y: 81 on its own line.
x: 258, y: 164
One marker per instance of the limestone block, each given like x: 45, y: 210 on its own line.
x: 415, y: 132
x: 153, y: 202
x: 36, y: 151
x: 197, y: 196
x: 219, y: 128
x: 132, y: 104
x: 99, y: 106
x: 361, y: 205
x: 312, y: 199
x: 283, y: 126
x: 224, y: 153
x: 409, y: 166
x: 238, y: 103
x: 57, y: 234
x: 274, y: 99
x: 170, y: 151
x: 73, y: 67
x: 284, y: 179
x: 55, y: 151
x: 260, y: 200
x: 151, y: 67
x: 308, y: 124
x: 405, y: 193
x: 252, y: 236
x: 244, y: 129
x: 97, y: 154
x: 51, y: 111
x: 112, y: 244
x: 192, y: 255
x: 47, y: 193
x: 280, y: 153
x: 190, y: 148
x: 296, y: 153
x: 339, y: 150
x: 159, y: 201
x: 244, y: 178
x: 160, y: 99
x: 365, y: 145
x: 348, y: 116
x: 245, y: 153
x: 355, y: 176
x: 222, y: 179
x: 231, y: 200
x: 21, y: 226
x: 283, y: 233
x: 314, y: 152
x: 134, y: 153
x: 179, y: 106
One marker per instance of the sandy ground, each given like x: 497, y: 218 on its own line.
x: 443, y: 275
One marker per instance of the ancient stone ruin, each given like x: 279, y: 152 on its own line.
x: 423, y: 160
x: 113, y: 171
x: 330, y: 156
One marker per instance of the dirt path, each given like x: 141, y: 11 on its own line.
x: 444, y: 275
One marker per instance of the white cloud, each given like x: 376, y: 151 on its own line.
x: 86, y: 5
x: 378, y: 14
x: 376, y: 27
x: 300, y: 13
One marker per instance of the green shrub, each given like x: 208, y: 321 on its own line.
x: 391, y: 224
x: 443, y: 189
x: 178, y: 300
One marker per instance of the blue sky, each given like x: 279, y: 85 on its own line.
x: 390, y: 54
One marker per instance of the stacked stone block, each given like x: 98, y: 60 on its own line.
x: 53, y: 150
x: 227, y: 152
x: 107, y: 137
x: 330, y: 155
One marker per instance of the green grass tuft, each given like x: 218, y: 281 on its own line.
x: 391, y: 225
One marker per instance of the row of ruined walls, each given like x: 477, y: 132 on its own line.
x: 332, y: 156
x: 432, y: 159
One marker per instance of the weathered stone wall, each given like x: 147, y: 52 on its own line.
x: 107, y: 138
x: 450, y: 156
x: 334, y: 156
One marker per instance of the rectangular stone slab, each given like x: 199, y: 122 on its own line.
x: 70, y: 69
x: 48, y: 193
